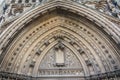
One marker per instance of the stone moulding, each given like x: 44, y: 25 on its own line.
x: 102, y: 22
x: 111, y: 28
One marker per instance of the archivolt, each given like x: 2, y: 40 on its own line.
x: 96, y: 45
x: 108, y: 26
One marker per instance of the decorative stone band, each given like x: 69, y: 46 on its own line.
x: 103, y: 76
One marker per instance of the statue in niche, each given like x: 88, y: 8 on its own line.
x: 59, y: 55
x: 60, y: 60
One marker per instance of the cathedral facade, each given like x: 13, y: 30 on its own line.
x: 60, y: 40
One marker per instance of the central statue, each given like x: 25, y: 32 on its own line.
x: 59, y: 52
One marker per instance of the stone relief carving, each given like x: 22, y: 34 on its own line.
x: 70, y: 71
x: 12, y: 9
x: 66, y: 64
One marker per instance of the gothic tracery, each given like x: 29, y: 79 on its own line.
x: 65, y: 41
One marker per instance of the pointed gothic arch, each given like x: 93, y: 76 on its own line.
x: 21, y: 39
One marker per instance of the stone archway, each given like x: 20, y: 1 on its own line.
x: 87, y: 42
